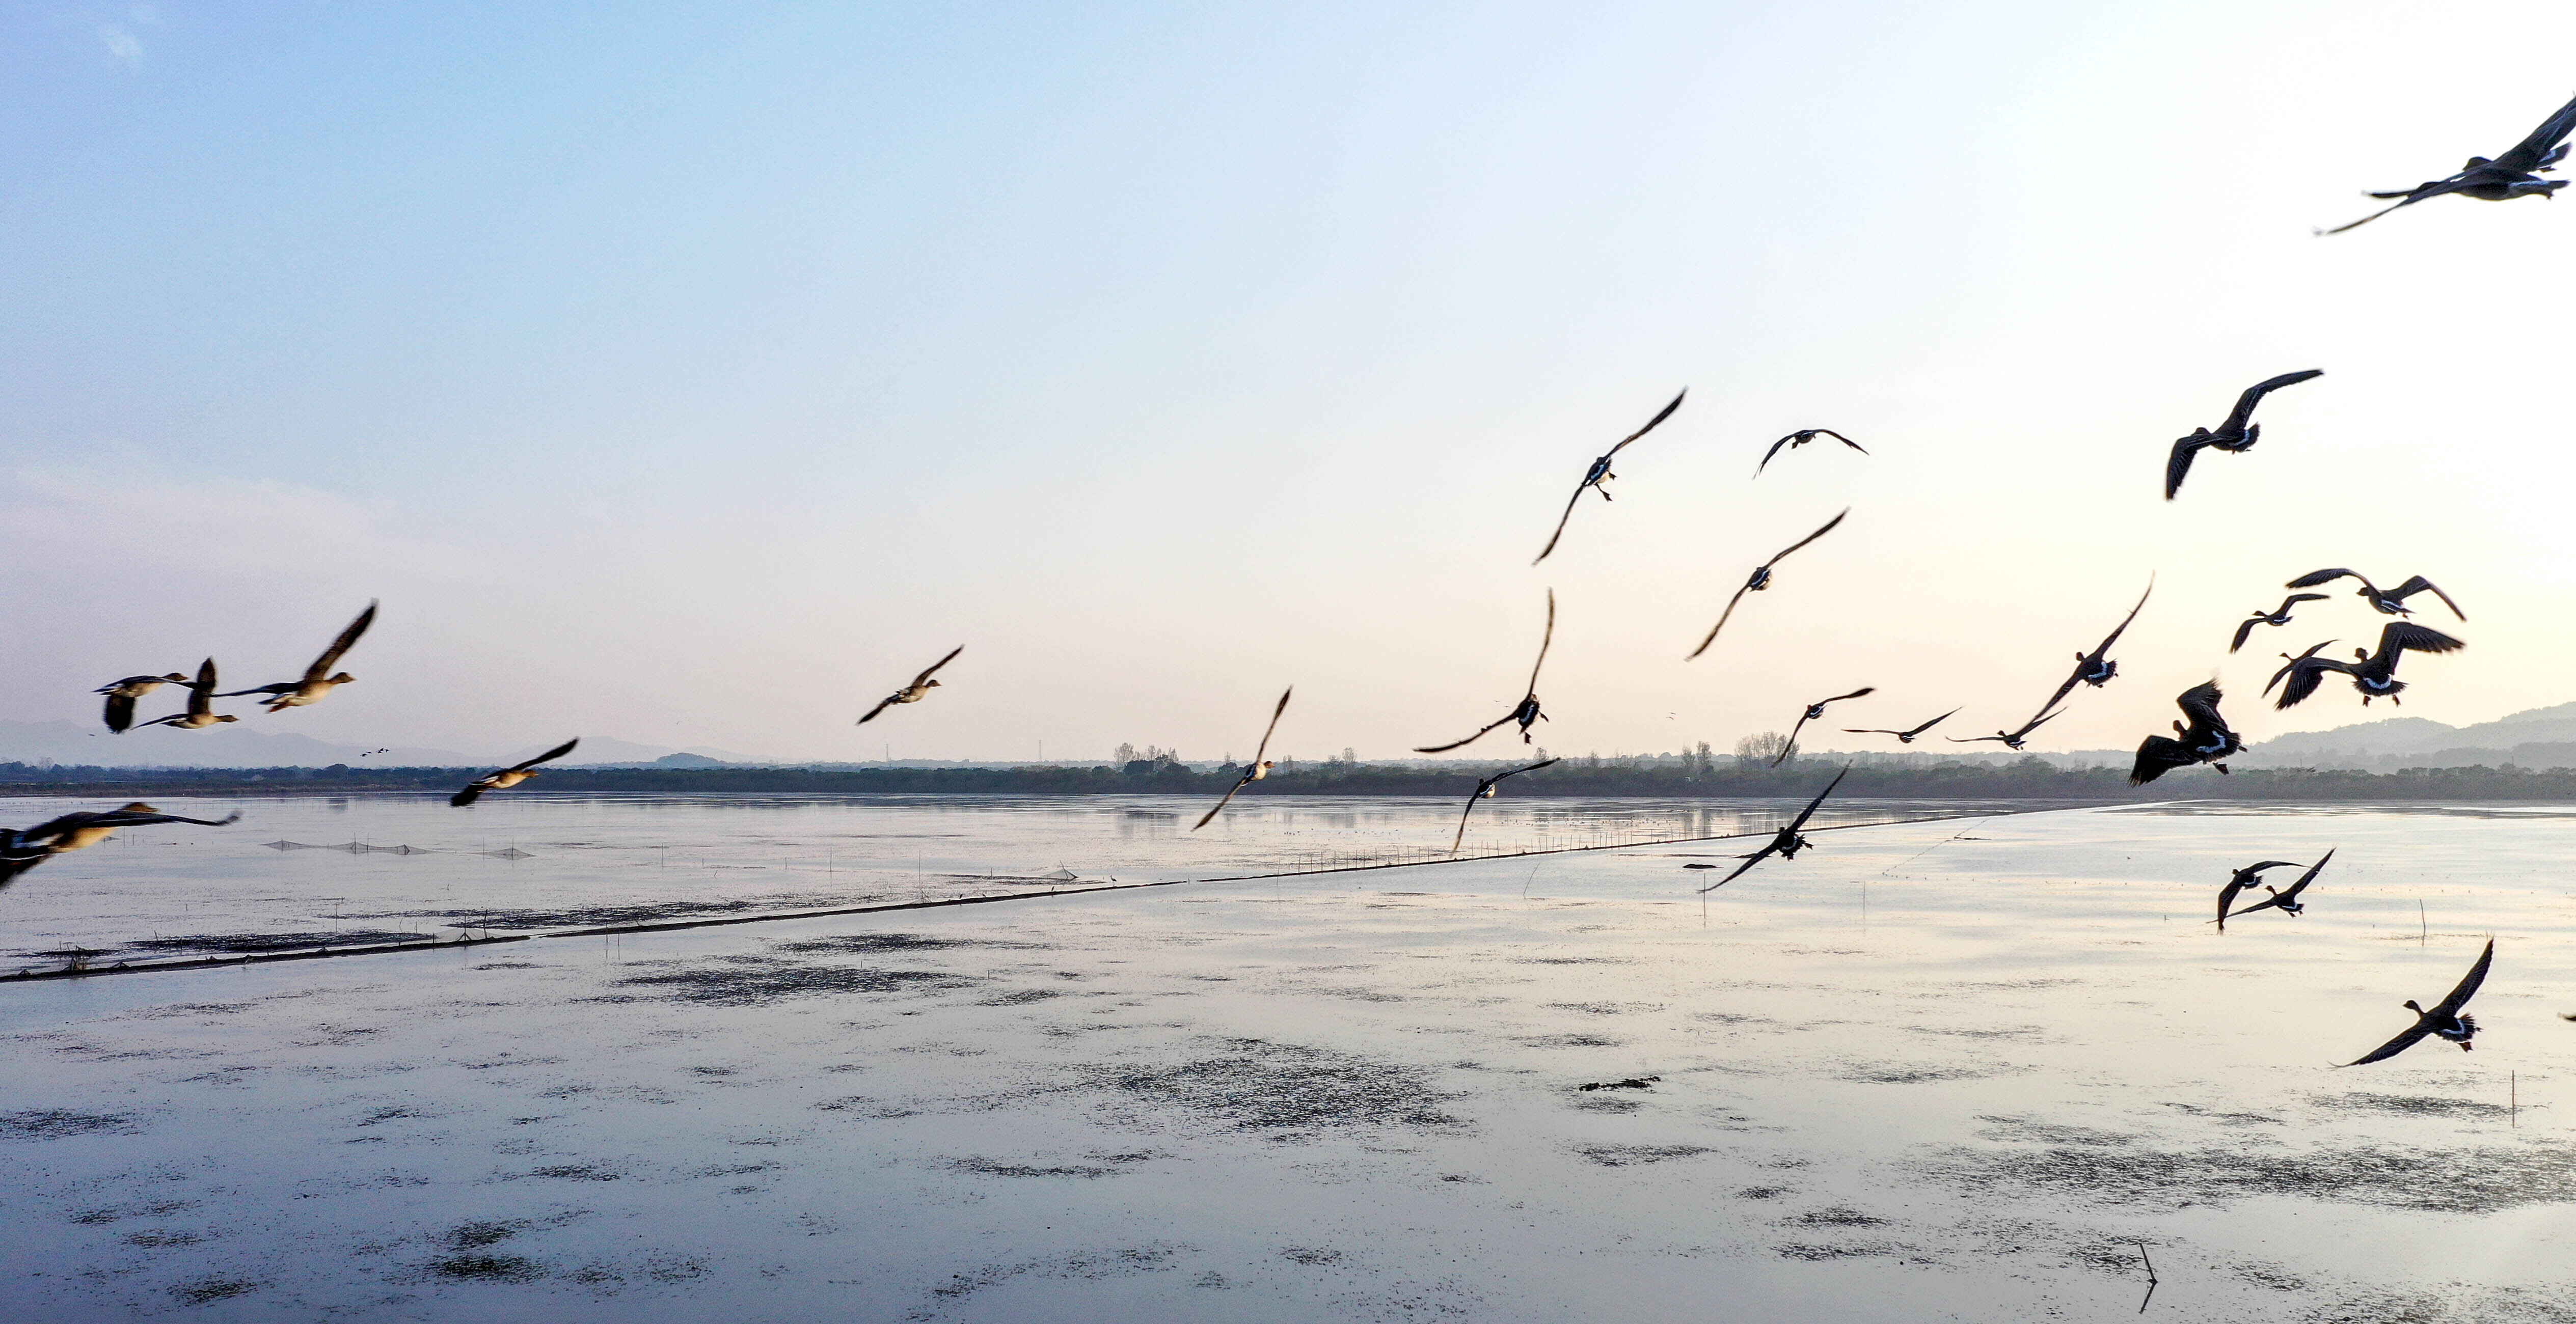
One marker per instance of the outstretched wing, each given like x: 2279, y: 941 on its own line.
x: 2418, y: 584
x: 2305, y: 675
x: 1930, y: 724
x: 1561, y: 521
x: 331, y: 656
x: 2529, y: 154
x: 1828, y: 528
x: 1810, y: 811
x: 1454, y: 842
x: 2178, y: 464
x: 2114, y: 636
x: 1721, y: 622
x: 2243, y: 632
x: 1480, y: 734
x: 2292, y: 892
x: 2434, y: 189
x: 471, y: 793
x: 2328, y: 576
x: 2408, y: 637
x: 2200, y: 704
x: 2037, y: 722
x: 1533, y: 767
x: 201, y: 694
x: 2238, y: 417
x: 1544, y: 641
x: 1790, y: 746
x: 1766, y: 463
x: 933, y: 668
x: 2225, y: 895
x: 1865, y: 689
x: 871, y: 715
x: 2468, y: 985
x: 548, y: 757
x: 1210, y: 815
x: 2399, y: 1044
x: 1749, y: 861
x: 1660, y: 415
x: 2158, y: 755
x: 1267, y: 731
x: 1843, y: 439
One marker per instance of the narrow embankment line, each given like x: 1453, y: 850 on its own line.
x: 772, y: 917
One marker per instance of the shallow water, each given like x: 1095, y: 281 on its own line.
x: 1923, y: 1072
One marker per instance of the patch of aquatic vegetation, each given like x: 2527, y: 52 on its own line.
x: 2466, y: 1180
x: 240, y: 944
x: 62, y: 1124
x: 1629, y: 1156
x: 1258, y: 1085
x: 741, y: 981
x: 2406, y: 1105
x: 896, y: 942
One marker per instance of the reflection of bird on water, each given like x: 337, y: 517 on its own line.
x: 2287, y: 902
x: 2207, y: 740
x: 1814, y: 711
x: 915, y: 692
x: 2387, y: 602
x: 1903, y: 737
x: 1526, y: 712
x: 2096, y: 668
x: 509, y: 776
x: 1599, y: 473
x: 2516, y: 174
x: 1761, y: 579
x: 2240, y: 879
x: 121, y: 695
x: 2444, y: 1018
x: 2277, y: 616
x: 24, y: 850
x: 318, y: 680
x: 201, y: 704
x: 1800, y: 438
x: 1485, y: 788
x: 1258, y: 768
x: 2374, y: 674
x: 2238, y: 434
x: 1786, y: 843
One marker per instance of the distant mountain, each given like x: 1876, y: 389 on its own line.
x: 2415, y: 735
x: 230, y: 746
x: 601, y: 751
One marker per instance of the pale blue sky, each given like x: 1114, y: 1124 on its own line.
x: 696, y: 375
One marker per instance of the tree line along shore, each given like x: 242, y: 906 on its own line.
x: 2030, y: 778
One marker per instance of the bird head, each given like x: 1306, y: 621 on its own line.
x: 176, y: 678
x: 342, y: 679
x: 2410, y: 1006
x: 930, y: 684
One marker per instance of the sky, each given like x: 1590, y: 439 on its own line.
x: 695, y: 375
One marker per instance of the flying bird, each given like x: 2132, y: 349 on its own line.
x: 1800, y: 438
x: 2240, y: 879
x: 121, y: 695
x: 201, y: 704
x: 2207, y: 740
x: 1786, y: 843
x: 2277, y: 616
x: 1259, y: 767
x: 1814, y: 711
x: 2374, y: 674
x: 1761, y: 579
x: 509, y: 776
x: 2389, y: 603
x: 2513, y: 175
x: 1526, y: 712
x: 318, y: 679
x: 1903, y: 737
x: 2237, y: 434
x: 1599, y: 473
x: 2096, y: 668
x: 1485, y: 788
x: 915, y: 692
x: 2444, y: 1019
x: 2010, y: 739
x: 24, y: 850
x: 2288, y: 902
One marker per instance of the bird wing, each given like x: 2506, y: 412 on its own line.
x: 2434, y: 189
x: 471, y: 793
x: 882, y: 705
x: 2158, y: 755
x: 2114, y: 636
x: 2178, y: 464
x: 548, y: 757
x: 2037, y: 722
x: 1843, y: 439
x: 1204, y: 819
x: 2225, y: 895
x: 1930, y: 724
x: 2266, y: 903
x: 1969, y: 740
x: 1454, y: 842
x: 2244, y: 411
x: 2407, y: 636
x: 1480, y: 734
x: 933, y: 668
x: 1749, y: 861
x: 1660, y: 415
x: 120, y: 712
x: 2304, y: 879
x: 201, y: 693
x: 1766, y: 456
x: 2200, y: 704
x: 1528, y: 768
x: 2244, y: 631
x: 2418, y: 584
x: 2328, y: 576
x: 1561, y: 521
x: 2468, y: 985
x: 2401, y: 1043
x: 1810, y: 811
x: 1721, y: 622
x: 331, y: 656
x: 2526, y: 156
x: 2305, y: 675
x: 1828, y: 528
x: 1544, y: 641
x: 2296, y: 598
x: 1267, y: 731
x: 1791, y: 745
x: 1865, y: 689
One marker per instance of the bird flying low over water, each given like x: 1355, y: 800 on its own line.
x: 2443, y: 1018
x: 1903, y: 737
x: 1258, y: 768
x: 2287, y: 903
x: 24, y: 850
x: 2374, y: 674
x: 1800, y: 438
x: 2277, y: 616
x: 2391, y: 602
x: 121, y: 695
x: 2515, y: 174
x: 509, y: 776
x: 1814, y: 711
x: 318, y: 679
x: 1526, y: 712
x: 2237, y: 434
x: 2240, y: 879
x: 2010, y: 739
x: 201, y: 704
x: 2096, y: 668
x: 1599, y: 473
x: 1485, y: 788
x: 2206, y: 740
x: 1761, y: 579
x: 1786, y: 843
x: 915, y: 692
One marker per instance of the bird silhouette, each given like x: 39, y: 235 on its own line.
x: 1800, y: 438
x: 2374, y: 674
x: 317, y: 680
x: 1599, y: 473
x: 1258, y: 768
x: 2207, y: 740
x: 1485, y: 788
x: 915, y: 692
x: 201, y: 704
x: 2240, y: 879
x: 2391, y: 602
x: 2010, y: 739
x: 1761, y: 579
x: 1526, y: 712
x: 2444, y: 1018
x: 24, y: 849
x: 2277, y: 616
x: 2515, y: 174
x: 121, y: 695
x: 2287, y: 902
x: 1903, y: 737
x: 1786, y: 843
x: 1815, y: 711
x: 2096, y: 668
x: 509, y: 776
x: 2237, y: 434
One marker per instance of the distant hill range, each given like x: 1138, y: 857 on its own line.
x: 2535, y: 738
x: 236, y: 746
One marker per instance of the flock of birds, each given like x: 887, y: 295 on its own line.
x: 2204, y: 738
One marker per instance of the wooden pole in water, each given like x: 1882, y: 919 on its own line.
x: 2421, y: 933
x: 2513, y: 1099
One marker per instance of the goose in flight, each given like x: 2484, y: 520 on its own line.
x: 1258, y: 768
x: 1526, y: 712
x: 2374, y: 674
x: 1786, y: 843
x: 1903, y: 737
x: 2237, y: 434
x: 2515, y: 174
x: 1800, y: 438
x: 2240, y: 879
x: 509, y: 776
x: 2207, y: 740
x: 2010, y: 739
x: 2391, y: 602
x: 121, y: 695
x: 2444, y: 1018
x: 318, y: 679
x: 201, y: 704
x: 915, y: 692
x: 2096, y: 668
x: 2287, y: 902
x: 1814, y: 711
x: 1599, y: 473
x: 1485, y: 788
x: 1761, y: 579
x: 24, y: 850
x: 2277, y: 616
